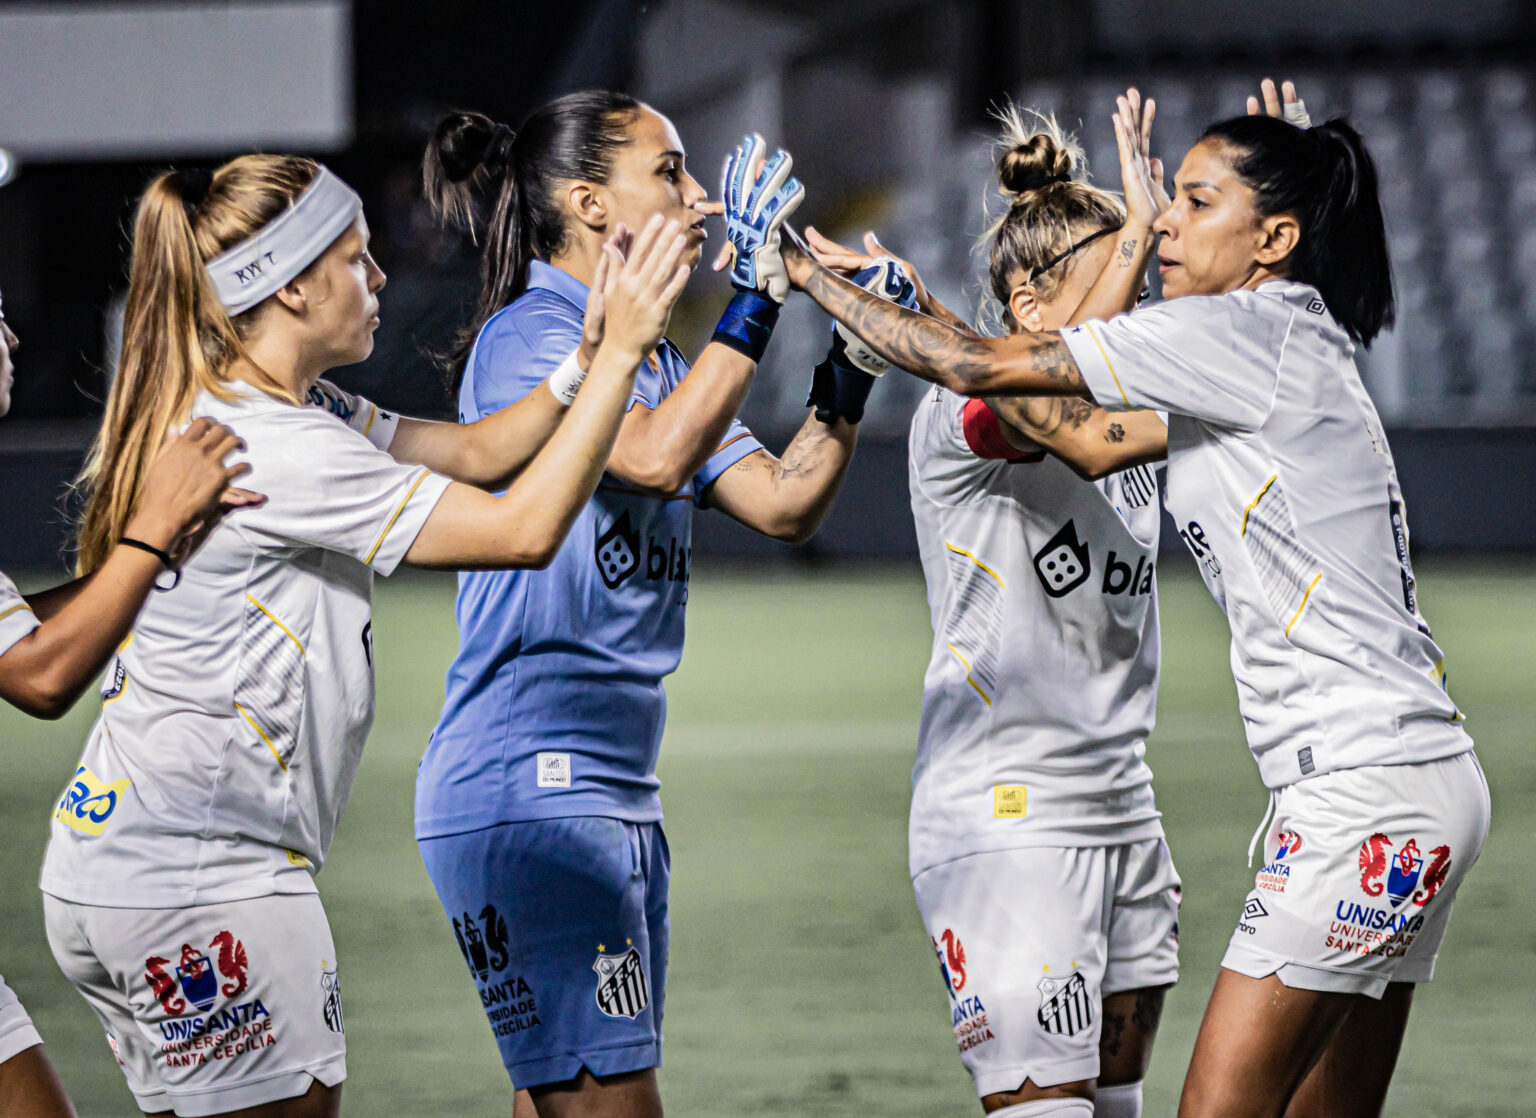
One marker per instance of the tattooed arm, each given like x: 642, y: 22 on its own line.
x: 788, y: 498
x: 1021, y: 364
x: 1119, y: 286
x: 1094, y: 442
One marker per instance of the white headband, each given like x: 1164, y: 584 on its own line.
x: 264, y: 262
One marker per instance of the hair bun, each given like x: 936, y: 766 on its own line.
x: 193, y: 184
x: 1037, y: 154
x: 466, y: 142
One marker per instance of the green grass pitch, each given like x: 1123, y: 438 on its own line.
x: 801, y: 979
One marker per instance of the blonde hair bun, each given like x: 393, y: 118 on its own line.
x: 1035, y: 153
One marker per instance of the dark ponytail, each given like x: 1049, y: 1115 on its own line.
x: 1324, y: 177
x: 573, y: 138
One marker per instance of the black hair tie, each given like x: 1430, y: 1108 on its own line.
x: 195, y: 182
x: 498, y: 149
x: 1040, y: 181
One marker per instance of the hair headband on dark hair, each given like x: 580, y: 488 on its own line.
x: 194, y: 184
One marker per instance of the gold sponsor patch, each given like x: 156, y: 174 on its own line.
x: 1009, y: 801
x: 89, y: 801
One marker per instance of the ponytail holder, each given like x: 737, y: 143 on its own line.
x: 499, y: 147
x: 194, y: 184
x: 1040, y: 182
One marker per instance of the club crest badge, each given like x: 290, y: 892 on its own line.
x: 621, y: 985
x: 330, y: 982
x: 618, y: 551
x: 1406, y: 879
x: 1063, y: 563
x: 1065, y: 1009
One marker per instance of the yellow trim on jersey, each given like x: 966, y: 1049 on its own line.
x: 1303, y: 605
x: 278, y: 623
x: 263, y: 734
x: 968, y: 679
x: 972, y: 557
x: 372, y: 415
x: 126, y: 642
x: 1104, y: 354
x: 15, y: 609
x: 1243, y: 531
x: 409, y: 493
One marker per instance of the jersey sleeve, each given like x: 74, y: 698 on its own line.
x: 328, y: 487
x: 737, y: 444
x: 1215, y: 359
x: 515, y: 353
x: 16, y: 617
x: 363, y: 416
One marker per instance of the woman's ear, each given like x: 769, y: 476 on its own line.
x: 1025, y: 308
x: 588, y: 206
x: 1278, y: 237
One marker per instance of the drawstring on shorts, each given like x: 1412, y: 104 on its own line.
x: 1259, y: 835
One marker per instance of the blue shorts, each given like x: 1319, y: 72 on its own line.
x: 563, y: 923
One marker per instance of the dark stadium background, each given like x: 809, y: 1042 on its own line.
x: 801, y: 982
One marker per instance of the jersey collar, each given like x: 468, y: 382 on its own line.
x: 561, y: 282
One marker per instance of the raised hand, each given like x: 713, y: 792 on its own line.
x: 187, y: 489
x: 758, y: 195
x: 592, y: 321
x: 1140, y: 174
x: 1284, y: 104
x: 640, y: 289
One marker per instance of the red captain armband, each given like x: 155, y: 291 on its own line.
x: 984, y: 435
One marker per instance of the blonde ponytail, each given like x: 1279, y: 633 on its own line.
x: 178, y: 341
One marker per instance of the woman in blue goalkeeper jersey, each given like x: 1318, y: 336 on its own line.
x: 537, y: 805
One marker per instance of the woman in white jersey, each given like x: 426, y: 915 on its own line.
x: 178, y: 878
x: 54, y: 643
x: 1030, y: 783
x: 1274, y: 261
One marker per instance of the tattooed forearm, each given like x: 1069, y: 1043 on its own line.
x: 1114, y: 433
x: 806, y: 451
x: 1043, y: 417
x: 1127, y: 253
x: 1021, y: 364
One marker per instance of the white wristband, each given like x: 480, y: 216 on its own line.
x: 566, y: 379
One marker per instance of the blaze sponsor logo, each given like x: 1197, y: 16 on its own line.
x: 1276, y: 874
x: 1120, y: 578
x: 1065, y: 1008
x: 618, y: 551
x: 223, y: 1034
x: 951, y: 955
x: 89, y: 801
x: 621, y: 987
x: 1063, y: 563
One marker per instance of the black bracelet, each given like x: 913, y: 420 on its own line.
x: 165, y: 559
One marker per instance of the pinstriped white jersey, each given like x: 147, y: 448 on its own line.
x: 234, y: 715
x: 1284, y: 489
x: 1042, y: 684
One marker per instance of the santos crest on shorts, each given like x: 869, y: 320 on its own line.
x: 1042, y: 685
x: 234, y: 714
x: 1284, y: 489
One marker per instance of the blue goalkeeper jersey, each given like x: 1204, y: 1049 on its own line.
x: 555, y: 704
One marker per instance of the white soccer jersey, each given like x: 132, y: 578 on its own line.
x: 1042, y: 684
x: 1283, y: 487
x: 234, y: 715
x: 16, y: 617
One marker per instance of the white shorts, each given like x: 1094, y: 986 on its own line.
x: 209, y: 1009
x: 1361, y: 870
x: 1030, y: 941
x: 17, y: 1033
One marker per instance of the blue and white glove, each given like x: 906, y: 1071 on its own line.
x: 841, y: 384
x: 755, y: 211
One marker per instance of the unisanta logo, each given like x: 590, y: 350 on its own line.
x: 951, y: 962
x: 1063, y: 563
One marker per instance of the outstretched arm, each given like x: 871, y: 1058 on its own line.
x: 81, y: 623
x: 1020, y: 364
x: 788, y: 498
x: 1094, y: 442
